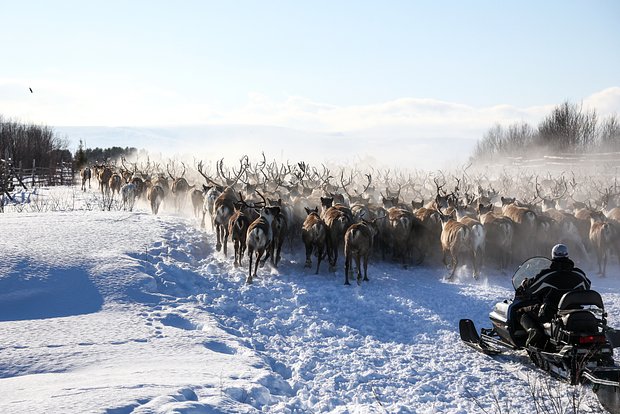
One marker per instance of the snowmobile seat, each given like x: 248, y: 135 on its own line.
x: 577, y: 299
x: 581, y: 321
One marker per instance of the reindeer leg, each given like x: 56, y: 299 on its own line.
x: 309, y: 255
x: 334, y: 256
x: 218, y: 244
x: 320, y: 256
x: 359, y: 268
x: 259, y: 254
x: 236, y: 262
x: 366, y: 267
x: 474, y: 259
x: 455, y: 262
x: 249, y: 278
x: 226, y: 234
x: 267, y: 252
x: 347, y: 267
x: 243, y: 249
x: 278, y: 256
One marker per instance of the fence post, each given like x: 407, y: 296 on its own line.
x: 34, y: 169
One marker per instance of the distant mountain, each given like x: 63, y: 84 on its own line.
x: 397, y: 148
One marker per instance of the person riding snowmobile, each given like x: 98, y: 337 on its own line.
x: 547, y: 288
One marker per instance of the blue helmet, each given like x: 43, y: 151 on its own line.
x: 559, y: 250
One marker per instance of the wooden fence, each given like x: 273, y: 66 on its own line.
x: 61, y: 174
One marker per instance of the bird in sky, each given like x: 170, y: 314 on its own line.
x: 30, y: 90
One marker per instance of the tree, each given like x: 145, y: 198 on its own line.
x: 80, y: 157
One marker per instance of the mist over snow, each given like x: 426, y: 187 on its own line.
x: 377, y: 146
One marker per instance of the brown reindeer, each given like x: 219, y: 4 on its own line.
x: 314, y: 235
x: 224, y: 209
x: 526, y: 227
x: 429, y: 237
x: 499, y: 234
x: 115, y: 183
x: 155, y: 195
x: 401, y: 237
x: 197, y: 197
x: 259, y: 237
x: 456, y: 240
x: 358, y: 241
x: 104, y: 175
x: 338, y: 218
x: 601, y: 237
x: 237, y: 228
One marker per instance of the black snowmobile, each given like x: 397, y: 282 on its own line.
x: 579, y: 344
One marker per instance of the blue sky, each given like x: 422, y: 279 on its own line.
x: 190, y: 62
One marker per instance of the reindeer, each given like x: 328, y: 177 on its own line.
x: 85, y: 175
x: 601, y: 236
x: 224, y: 209
x: 526, y: 226
x: 208, y: 206
x: 140, y: 186
x: 128, y: 194
x: 237, y: 228
x: 197, y: 197
x: 478, y: 234
x: 358, y: 241
x: 259, y: 237
x: 338, y: 218
x: 155, y: 195
x: 115, y: 183
x: 499, y: 234
x: 104, y: 174
x: 430, y: 237
x: 180, y: 187
x: 279, y: 227
x: 456, y: 240
x: 314, y: 235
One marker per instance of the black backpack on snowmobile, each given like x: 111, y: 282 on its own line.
x: 578, y: 346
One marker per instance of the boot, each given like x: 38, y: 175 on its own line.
x: 535, y: 338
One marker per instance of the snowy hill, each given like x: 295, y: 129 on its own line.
x: 120, y: 312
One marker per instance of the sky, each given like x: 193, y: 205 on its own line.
x: 452, y: 68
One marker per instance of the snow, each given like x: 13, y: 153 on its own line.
x: 120, y: 312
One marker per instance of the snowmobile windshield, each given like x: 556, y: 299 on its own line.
x: 530, y: 268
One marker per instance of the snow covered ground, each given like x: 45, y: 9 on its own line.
x: 120, y: 312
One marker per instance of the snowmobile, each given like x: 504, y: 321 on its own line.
x: 578, y: 346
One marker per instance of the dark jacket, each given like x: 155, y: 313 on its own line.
x: 548, y: 286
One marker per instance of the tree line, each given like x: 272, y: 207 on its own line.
x: 567, y: 129
x: 24, y: 143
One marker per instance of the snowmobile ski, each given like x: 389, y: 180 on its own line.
x: 470, y: 337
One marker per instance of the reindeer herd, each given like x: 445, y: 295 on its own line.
x: 458, y: 218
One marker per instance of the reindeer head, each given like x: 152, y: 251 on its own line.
x: 417, y: 204
x: 327, y: 202
x: 268, y: 213
x: 389, y: 202
x: 309, y: 211
x: 482, y: 209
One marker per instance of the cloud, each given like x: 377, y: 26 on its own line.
x: 104, y: 100
x: 606, y: 102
